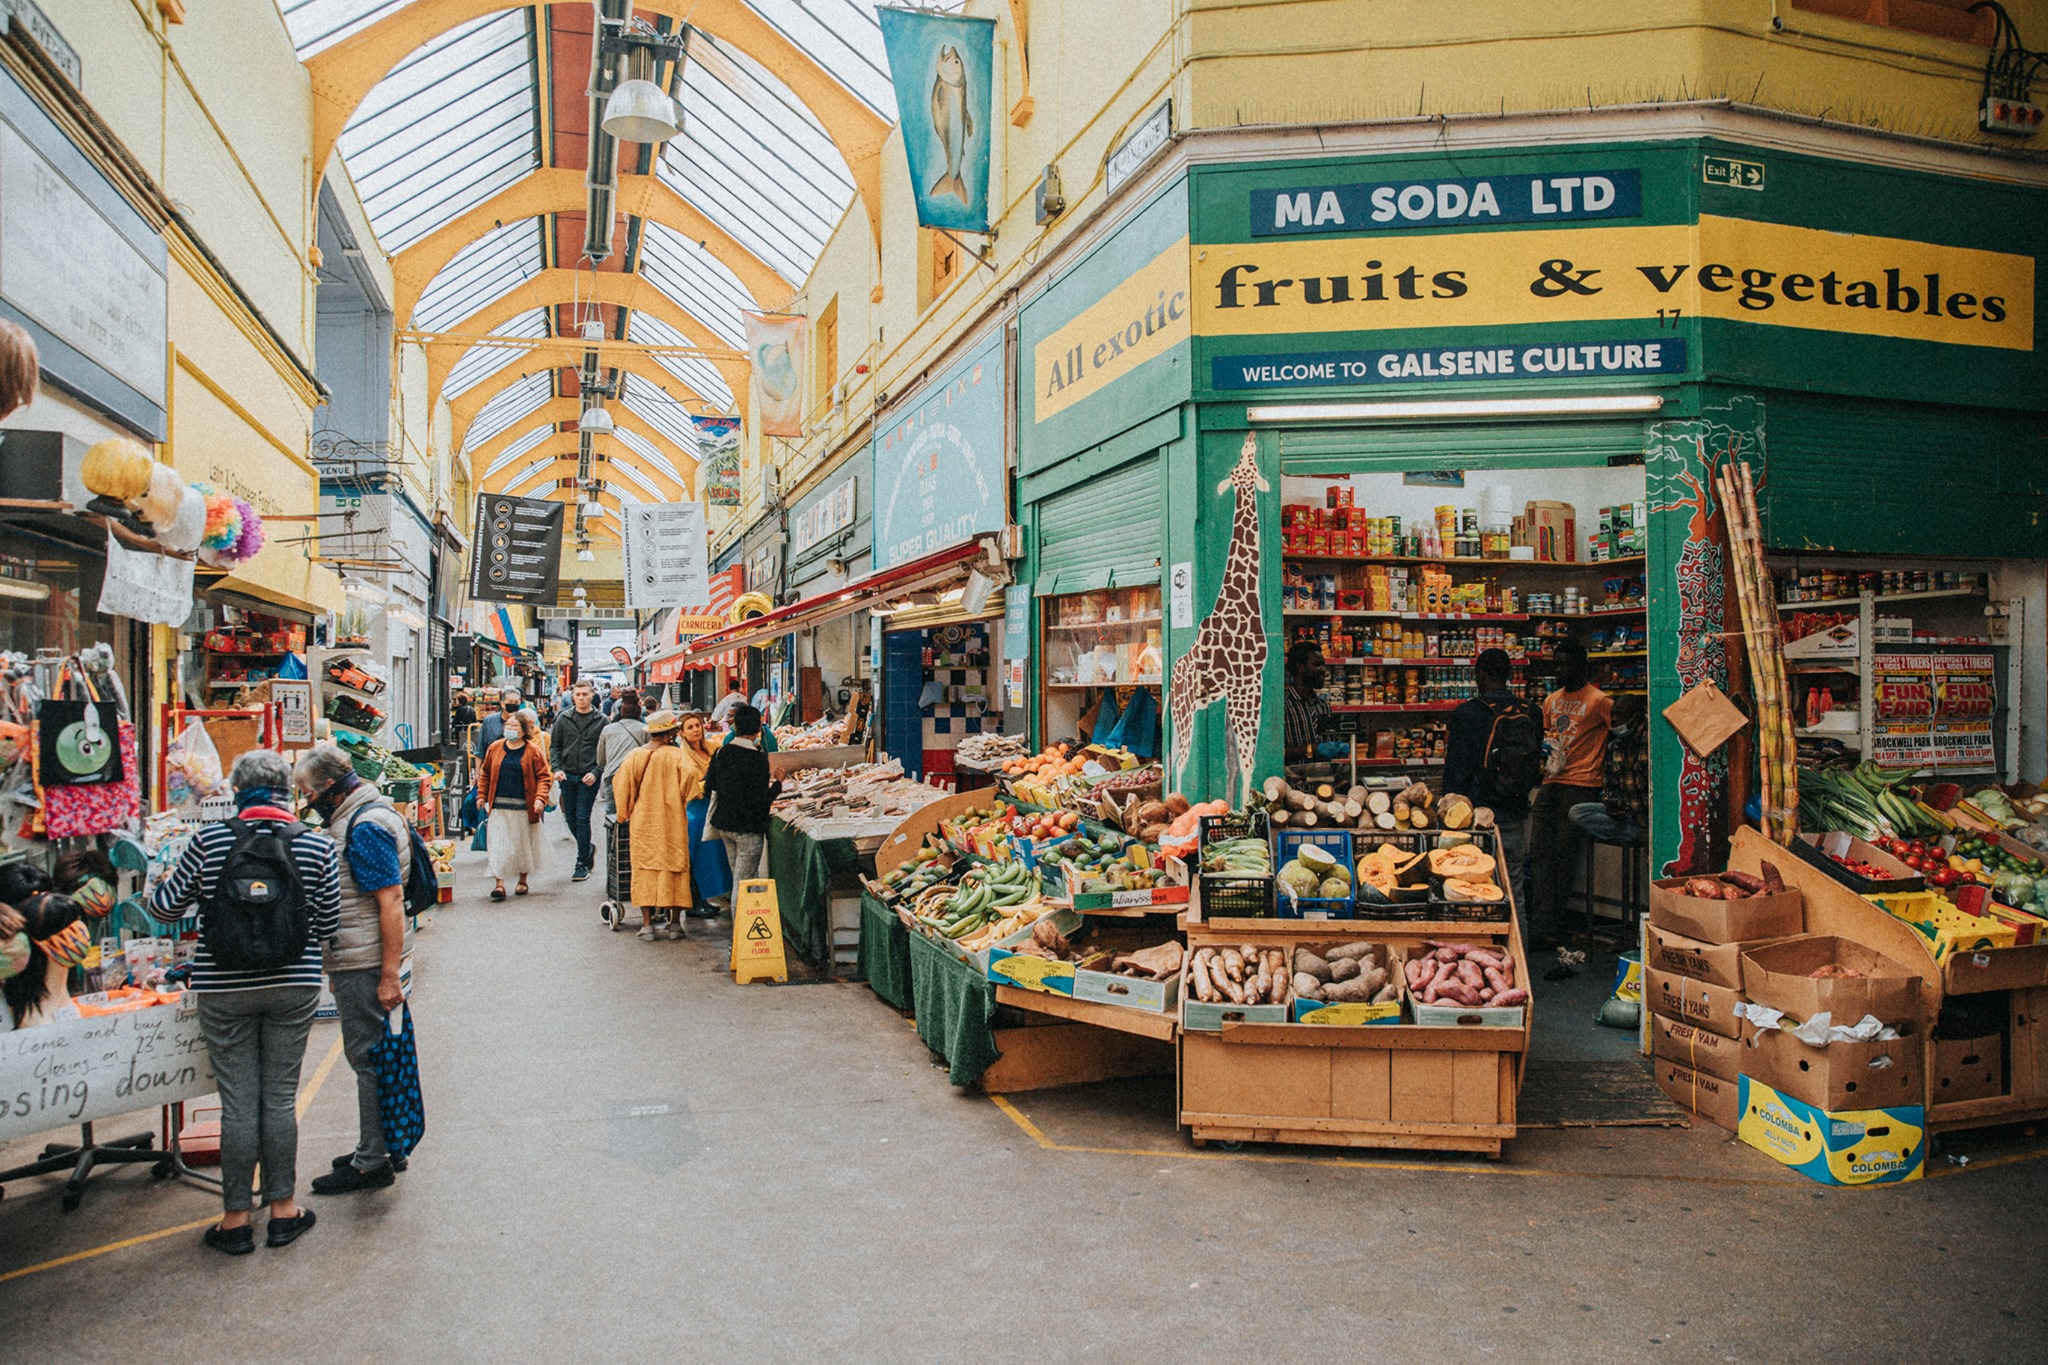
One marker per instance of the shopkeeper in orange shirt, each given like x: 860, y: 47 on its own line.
x: 1575, y: 722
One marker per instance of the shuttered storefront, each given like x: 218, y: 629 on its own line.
x: 1104, y: 532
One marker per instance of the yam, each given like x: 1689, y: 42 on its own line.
x: 1418, y: 816
x: 1231, y: 989
x: 1360, y: 949
x: 1457, y: 812
x: 1482, y: 817
x: 1299, y: 800
x: 1379, y: 803
x: 1385, y: 820
x: 1198, y: 973
x: 1374, y: 978
x: 1401, y: 809
x: 1344, y: 968
x: 1386, y: 994
x: 1233, y: 964
x: 1356, y: 795
x: 1324, y: 791
x: 1418, y: 794
x: 1279, y: 815
x: 1275, y: 789
x: 1306, y: 961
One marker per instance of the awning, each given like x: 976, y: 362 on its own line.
x: 918, y: 575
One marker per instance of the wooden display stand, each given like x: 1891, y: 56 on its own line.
x: 1832, y: 908
x: 1450, y: 1088
x: 1075, y: 1042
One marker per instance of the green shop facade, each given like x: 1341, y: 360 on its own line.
x: 1863, y: 333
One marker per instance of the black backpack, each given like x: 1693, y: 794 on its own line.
x: 1513, y: 762
x: 257, y: 919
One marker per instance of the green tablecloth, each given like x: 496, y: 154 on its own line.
x: 884, y: 961
x: 954, y: 1004
x: 802, y: 869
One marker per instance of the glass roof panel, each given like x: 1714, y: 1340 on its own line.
x: 754, y: 159
x: 699, y: 374
x: 666, y: 415
x: 843, y: 36
x: 315, y: 24
x: 480, y: 362
x: 648, y: 452
x: 450, y: 126
x: 479, y: 273
x: 696, y: 279
x: 516, y: 401
x: 514, y: 453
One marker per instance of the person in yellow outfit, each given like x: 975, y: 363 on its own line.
x: 652, y: 791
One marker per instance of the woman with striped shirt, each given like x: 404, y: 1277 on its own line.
x: 256, y: 1022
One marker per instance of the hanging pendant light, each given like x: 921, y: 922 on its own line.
x: 595, y: 421
x: 638, y: 110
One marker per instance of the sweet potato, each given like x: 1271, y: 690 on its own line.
x: 1703, y: 888
x: 1344, y: 968
x: 1518, y: 996
x: 1198, y: 973
x: 1307, y: 987
x: 1386, y: 994
x: 1774, y: 880
x: 1233, y: 964
x: 1748, y: 883
x: 1306, y: 961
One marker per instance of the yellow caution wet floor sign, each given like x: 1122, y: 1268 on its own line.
x: 757, y: 933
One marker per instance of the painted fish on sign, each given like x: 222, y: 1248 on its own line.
x: 1377, y: 206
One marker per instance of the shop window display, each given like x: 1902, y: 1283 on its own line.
x: 1102, y: 658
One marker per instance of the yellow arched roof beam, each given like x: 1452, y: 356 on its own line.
x: 574, y: 286
x: 554, y: 190
x: 561, y: 454
x: 558, y: 410
x: 523, y: 488
x: 605, y: 498
x: 342, y: 75
x: 464, y: 407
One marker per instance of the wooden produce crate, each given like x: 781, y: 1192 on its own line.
x: 1441, y: 1088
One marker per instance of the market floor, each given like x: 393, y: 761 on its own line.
x: 626, y: 1154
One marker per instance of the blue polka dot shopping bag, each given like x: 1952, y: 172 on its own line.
x: 398, y: 1084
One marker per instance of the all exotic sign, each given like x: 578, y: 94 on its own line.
x: 1143, y: 318
x: 1725, y: 268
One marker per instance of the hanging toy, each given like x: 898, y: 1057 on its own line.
x: 118, y: 469
x: 160, y: 501
x: 223, y: 528
x: 187, y: 526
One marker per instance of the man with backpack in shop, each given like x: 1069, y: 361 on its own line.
x: 389, y: 876
x: 268, y: 895
x: 1494, y: 754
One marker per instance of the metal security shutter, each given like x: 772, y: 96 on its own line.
x: 1903, y: 478
x: 1102, y: 532
x: 1460, y: 445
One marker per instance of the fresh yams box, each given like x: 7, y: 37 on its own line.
x: 1693, y: 1002
x: 1708, y: 1097
x: 1840, y: 1147
x: 1717, y: 921
x: 1717, y: 964
x: 1674, y: 1040
x: 1131, y: 992
x: 1850, y: 1075
x: 1781, y: 975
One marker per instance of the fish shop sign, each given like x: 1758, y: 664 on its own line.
x: 1377, y: 206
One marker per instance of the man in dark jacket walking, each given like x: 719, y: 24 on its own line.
x: 572, y: 744
x: 741, y: 792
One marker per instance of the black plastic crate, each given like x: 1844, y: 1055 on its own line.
x: 1471, y: 912
x: 1231, y: 895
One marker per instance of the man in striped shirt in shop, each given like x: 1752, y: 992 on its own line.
x: 256, y: 1021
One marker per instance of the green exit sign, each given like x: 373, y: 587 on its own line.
x: 1733, y: 172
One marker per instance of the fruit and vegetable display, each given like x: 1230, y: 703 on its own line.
x: 1415, y: 806
x: 1315, y: 873
x: 1244, y: 857
x: 917, y: 874
x: 1346, y: 973
x: 1866, y: 801
x: 985, y: 898
x: 1737, y: 886
x: 1473, y: 975
x: 1244, y: 975
x: 1105, y: 864
x: 1160, y: 963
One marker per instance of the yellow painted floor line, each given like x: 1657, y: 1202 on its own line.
x: 1038, y: 1136
x: 305, y: 1101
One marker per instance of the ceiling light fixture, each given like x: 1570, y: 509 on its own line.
x: 1455, y: 407
x: 595, y: 421
x: 593, y: 330
x: 586, y: 555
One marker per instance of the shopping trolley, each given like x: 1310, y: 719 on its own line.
x: 617, y: 910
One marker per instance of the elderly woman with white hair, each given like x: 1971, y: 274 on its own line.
x: 257, y: 881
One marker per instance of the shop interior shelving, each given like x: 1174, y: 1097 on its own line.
x: 1077, y: 624
x: 1961, y: 615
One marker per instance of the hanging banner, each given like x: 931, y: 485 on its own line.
x: 776, y: 348
x: 719, y: 439
x: 942, y: 66
x: 518, y: 554
x: 939, y: 466
x: 145, y: 587
x: 664, y: 544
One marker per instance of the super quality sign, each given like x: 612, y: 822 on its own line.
x: 1724, y: 268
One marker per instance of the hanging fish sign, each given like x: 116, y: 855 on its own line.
x: 942, y: 66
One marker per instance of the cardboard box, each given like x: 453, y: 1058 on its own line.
x: 1716, y: 1100
x: 1816, y: 848
x: 1834, y: 1147
x: 1346, y: 1013
x: 1744, y: 921
x: 1552, y: 527
x: 1717, y: 964
x: 1129, y: 992
x: 1210, y: 1018
x: 1693, y: 1002
x: 1027, y: 970
x: 1780, y: 975
x: 1967, y: 1069
x: 1466, y: 1016
x: 1674, y: 1040
x: 1881, y: 1075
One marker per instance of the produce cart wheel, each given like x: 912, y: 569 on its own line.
x: 1231, y: 1146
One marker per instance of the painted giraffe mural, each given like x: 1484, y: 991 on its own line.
x: 1228, y: 658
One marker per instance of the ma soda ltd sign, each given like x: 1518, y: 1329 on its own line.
x: 1389, y: 205
x: 1724, y: 268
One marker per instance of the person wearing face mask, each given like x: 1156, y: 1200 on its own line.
x: 492, y: 728
x: 362, y: 960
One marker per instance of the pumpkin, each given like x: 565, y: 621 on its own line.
x: 1461, y: 860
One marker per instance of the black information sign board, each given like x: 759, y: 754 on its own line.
x: 517, y: 549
